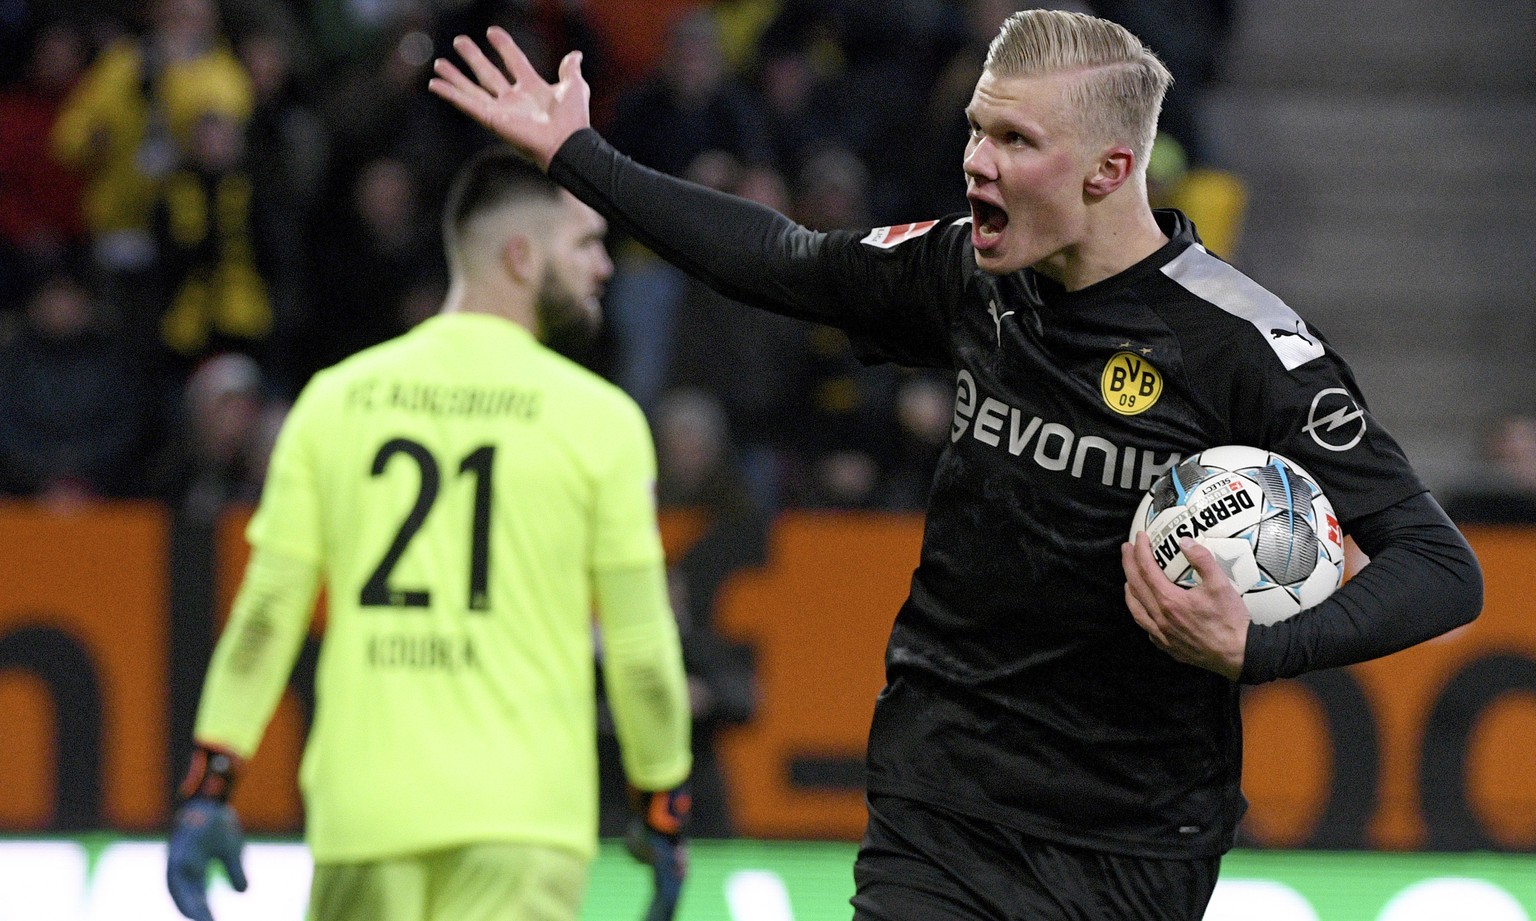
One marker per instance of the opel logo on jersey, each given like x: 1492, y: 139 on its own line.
x: 1335, y: 421
x: 1130, y: 384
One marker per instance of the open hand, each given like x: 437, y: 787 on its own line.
x: 1206, y: 625
x: 528, y: 112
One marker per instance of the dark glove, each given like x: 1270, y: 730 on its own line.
x: 655, y: 838
x: 205, y: 829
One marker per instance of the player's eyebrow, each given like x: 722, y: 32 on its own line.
x: 1002, y: 120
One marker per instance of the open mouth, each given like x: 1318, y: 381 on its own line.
x: 988, y: 218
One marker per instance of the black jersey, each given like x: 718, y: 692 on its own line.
x: 1019, y: 688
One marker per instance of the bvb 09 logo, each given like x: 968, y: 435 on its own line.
x: 1130, y: 384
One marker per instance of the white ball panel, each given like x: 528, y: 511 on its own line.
x: 1270, y: 605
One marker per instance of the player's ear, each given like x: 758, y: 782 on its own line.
x: 1113, y: 168
x: 522, y: 258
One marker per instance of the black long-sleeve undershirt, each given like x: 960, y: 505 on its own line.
x: 746, y: 251
x: 1422, y: 581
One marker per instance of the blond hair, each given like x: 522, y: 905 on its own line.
x: 1123, y: 83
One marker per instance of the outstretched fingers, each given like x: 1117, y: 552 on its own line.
x: 489, y: 76
x: 512, y: 56
x: 452, y: 86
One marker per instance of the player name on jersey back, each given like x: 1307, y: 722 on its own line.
x: 417, y: 651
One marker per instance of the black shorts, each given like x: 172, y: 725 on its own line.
x: 922, y: 863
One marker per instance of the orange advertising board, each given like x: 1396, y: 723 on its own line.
x: 1430, y: 747
x: 1424, y: 749
x: 82, y: 666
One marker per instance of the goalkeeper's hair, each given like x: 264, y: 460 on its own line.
x: 492, y: 179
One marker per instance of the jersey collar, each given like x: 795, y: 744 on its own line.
x: 1181, y: 235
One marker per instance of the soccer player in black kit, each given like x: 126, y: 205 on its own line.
x: 1033, y: 755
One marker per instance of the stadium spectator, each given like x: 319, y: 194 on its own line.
x: 378, y: 252
x: 40, y: 220
x: 698, y: 470
x: 845, y: 415
x: 346, y: 31
x: 848, y: 436
x: 648, y: 296
x: 464, y: 628
x: 803, y: 104
x: 889, y: 55
x: 1033, y: 754
x: 752, y: 362
x: 692, y: 104
x: 75, y: 413
x: 128, y: 122
x: 691, y: 116
x: 742, y: 23
x: 213, y: 295
x: 223, y: 439
x: 372, y: 108
x: 832, y: 191
x: 287, y: 153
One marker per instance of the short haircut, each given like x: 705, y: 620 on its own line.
x: 1123, y: 83
x: 492, y: 179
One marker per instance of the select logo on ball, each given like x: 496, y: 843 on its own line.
x: 1129, y: 384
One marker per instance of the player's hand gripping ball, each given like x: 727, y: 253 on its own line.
x: 1264, y: 518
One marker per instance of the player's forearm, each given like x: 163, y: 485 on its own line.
x: 256, y: 652
x: 1422, y: 581
x: 744, y: 250
x: 643, y: 674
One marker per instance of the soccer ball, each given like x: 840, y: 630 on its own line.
x: 1264, y: 518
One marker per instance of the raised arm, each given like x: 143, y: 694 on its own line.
x: 741, y: 249
x: 528, y: 112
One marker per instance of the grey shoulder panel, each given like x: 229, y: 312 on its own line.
x: 1219, y: 284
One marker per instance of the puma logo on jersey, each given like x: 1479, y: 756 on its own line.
x: 1278, y: 333
x: 997, y: 320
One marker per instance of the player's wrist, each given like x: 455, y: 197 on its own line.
x: 211, y: 774
x: 664, y: 812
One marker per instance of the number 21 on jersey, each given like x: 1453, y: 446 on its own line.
x: 377, y: 590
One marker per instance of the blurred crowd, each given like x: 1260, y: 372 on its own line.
x: 202, y: 203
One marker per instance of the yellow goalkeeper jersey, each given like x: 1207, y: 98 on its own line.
x: 458, y: 487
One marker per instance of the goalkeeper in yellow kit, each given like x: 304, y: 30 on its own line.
x: 467, y: 497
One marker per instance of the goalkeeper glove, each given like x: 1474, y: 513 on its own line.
x: 205, y: 828
x: 655, y: 837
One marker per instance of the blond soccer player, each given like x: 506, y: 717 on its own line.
x: 1059, y: 737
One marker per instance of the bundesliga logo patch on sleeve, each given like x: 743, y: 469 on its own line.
x: 887, y: 237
